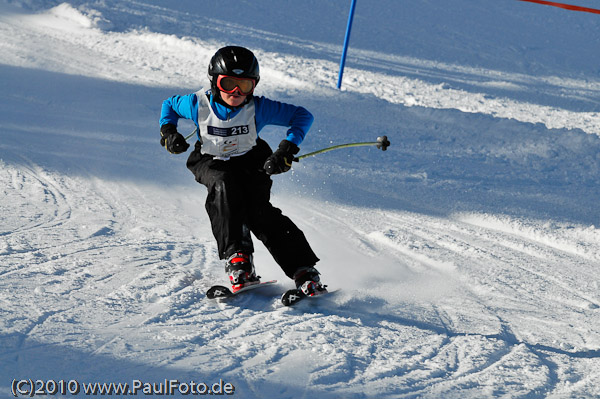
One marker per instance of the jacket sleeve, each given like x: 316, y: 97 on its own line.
x: 298, y: 119
x: 176, y: 107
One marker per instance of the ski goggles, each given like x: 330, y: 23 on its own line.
x: 229, y: 84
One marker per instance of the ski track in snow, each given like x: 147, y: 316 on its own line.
x: 103, y: 277
x: 402, y: 332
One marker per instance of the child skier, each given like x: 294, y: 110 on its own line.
x: 235, y: 166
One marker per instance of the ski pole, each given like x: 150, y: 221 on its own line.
x: 191, y: 134
x: 382, y: 143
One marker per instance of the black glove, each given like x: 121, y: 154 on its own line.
x: 172, y: 140
x: 281, y: 160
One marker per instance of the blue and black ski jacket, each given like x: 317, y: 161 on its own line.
x: 268, y: 112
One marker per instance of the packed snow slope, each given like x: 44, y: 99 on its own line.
x: 464, y: 259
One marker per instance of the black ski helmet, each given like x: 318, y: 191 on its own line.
x: 233, y: 61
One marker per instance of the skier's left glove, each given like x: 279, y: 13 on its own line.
x: 172, y: 140
x: 281, y: 160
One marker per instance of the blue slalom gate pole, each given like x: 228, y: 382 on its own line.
x: 346, y: 41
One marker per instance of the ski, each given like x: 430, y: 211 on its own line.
x: 291, y: 297
x: 220, y: 291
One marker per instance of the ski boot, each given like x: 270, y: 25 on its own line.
x: 308, y: 281
x: 240, y: 269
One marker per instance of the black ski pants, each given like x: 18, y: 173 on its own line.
x: 238, y: 201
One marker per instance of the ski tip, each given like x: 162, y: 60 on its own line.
x: 290, y: 297
x: 218, y: 291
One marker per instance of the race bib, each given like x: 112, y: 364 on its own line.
x: 228, y: 131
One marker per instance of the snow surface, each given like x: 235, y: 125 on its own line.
x: 465, y: 258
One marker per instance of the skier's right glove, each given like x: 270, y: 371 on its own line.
x: 281, y: 160
x: 172, y: 140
